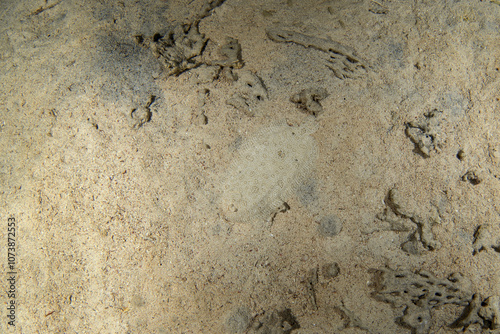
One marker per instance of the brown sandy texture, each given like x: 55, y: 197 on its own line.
x: 113, y: 152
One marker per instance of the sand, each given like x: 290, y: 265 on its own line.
x: 119, y: 120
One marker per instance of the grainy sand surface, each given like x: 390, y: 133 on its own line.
x: 119, y: 121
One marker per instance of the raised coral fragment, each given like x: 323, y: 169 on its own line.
x: 484, y: 239
x: 178, y: 49
x: 231, y: 51
x: 425, y: 133
x: 341, y: 60
x: 250, y: 92
x: 309, y: 100
x: 401, y: 216
x: 484, y: 312
x: 420, y: 292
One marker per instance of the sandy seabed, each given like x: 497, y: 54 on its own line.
x: 120, y: 121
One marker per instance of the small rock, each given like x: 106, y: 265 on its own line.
x: 309, y: 100
x: 472, y: 176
